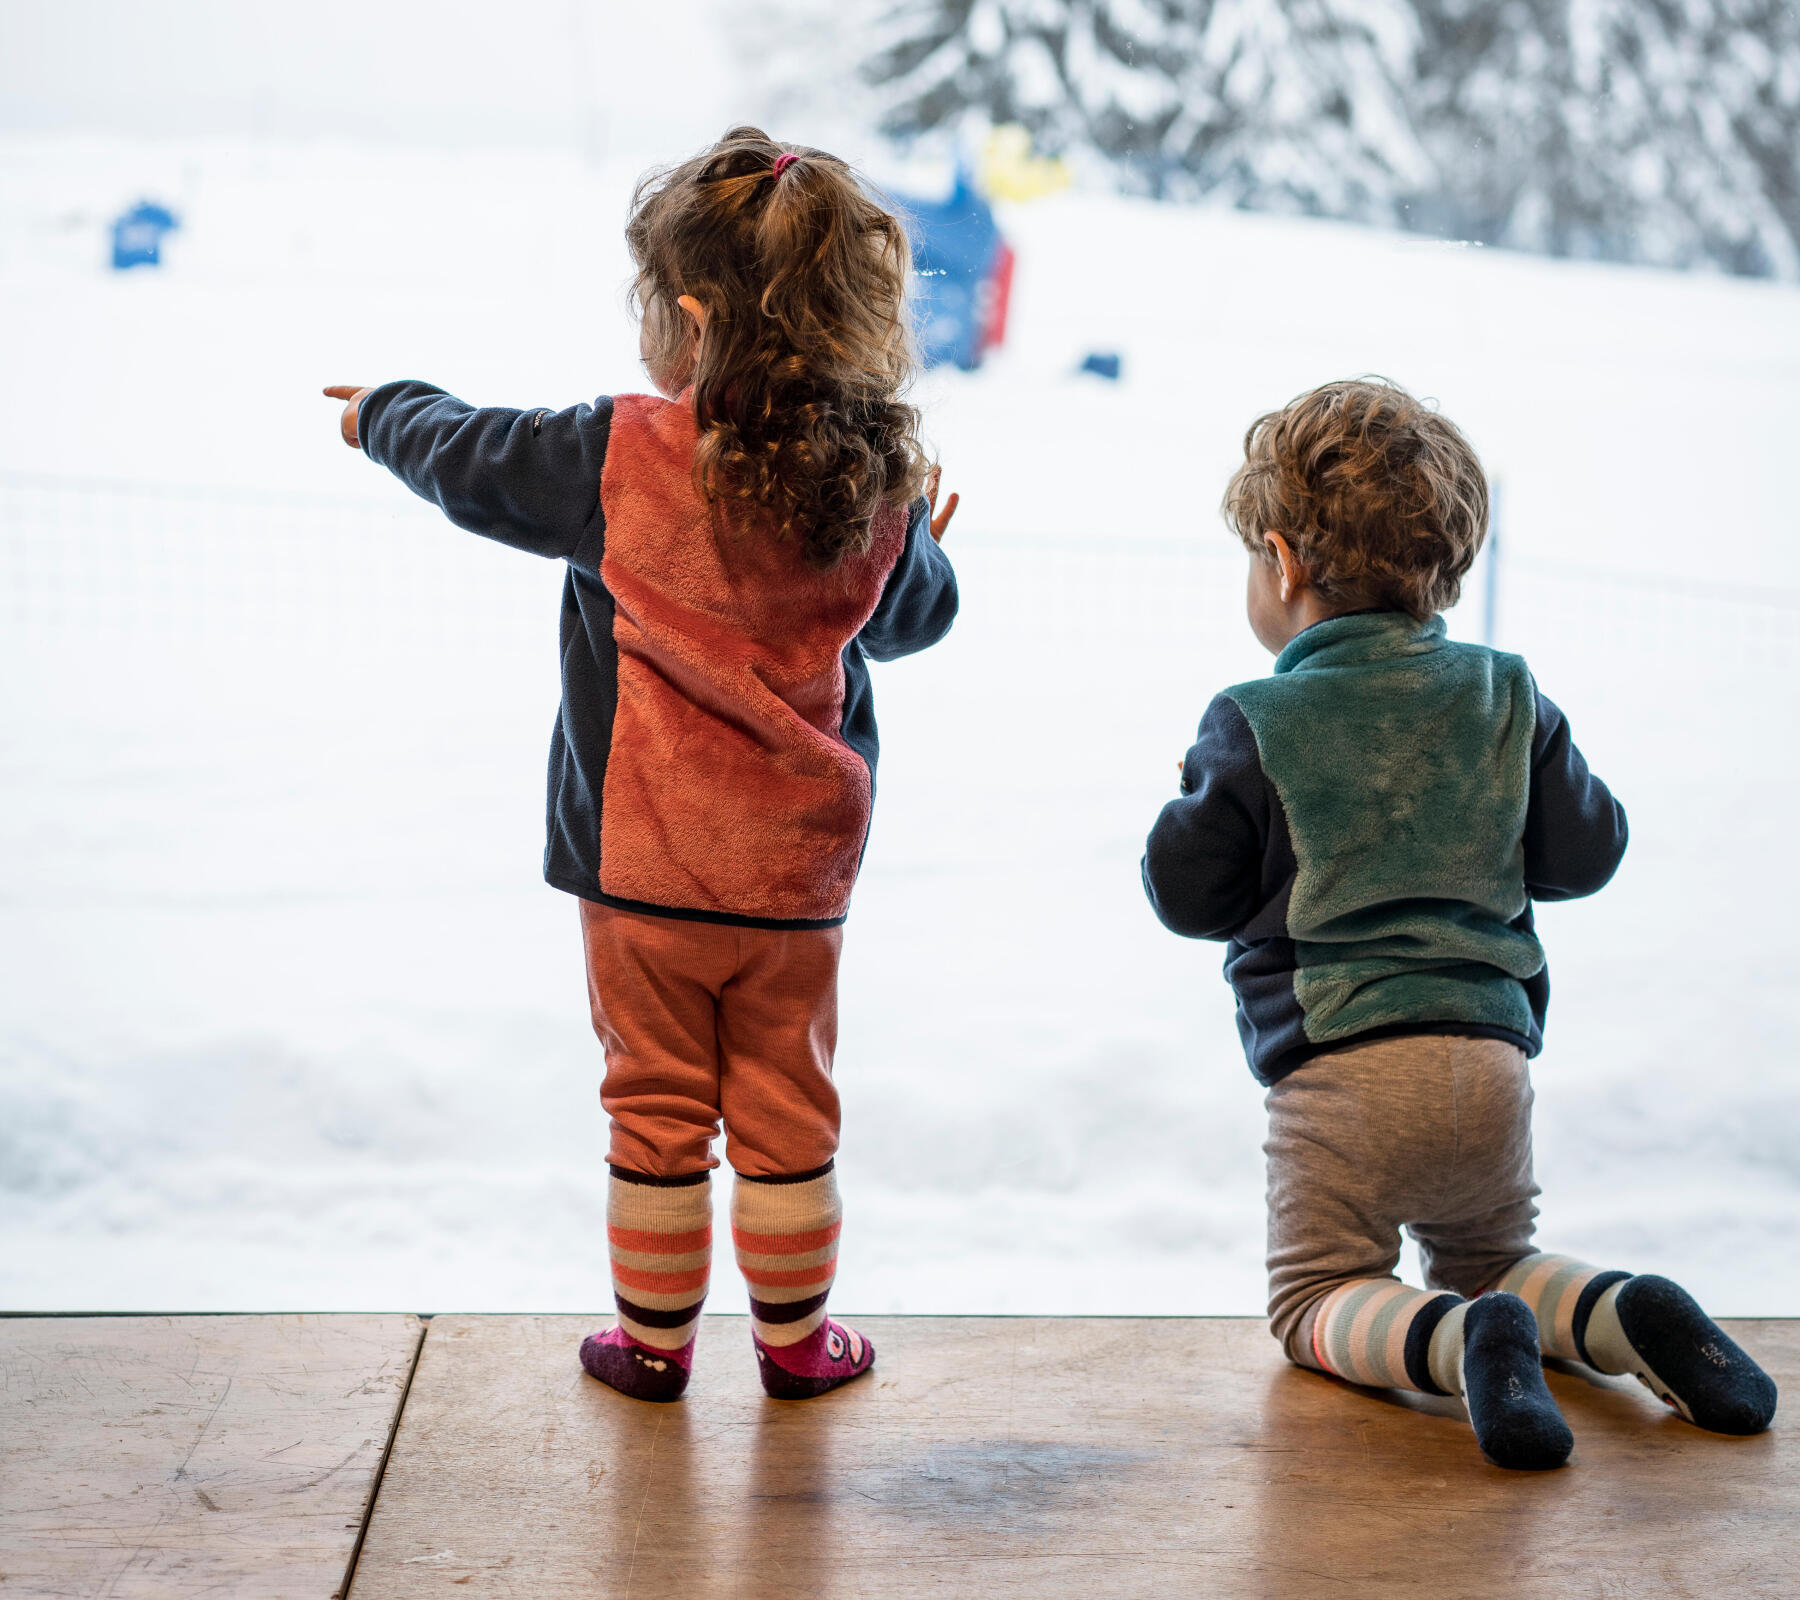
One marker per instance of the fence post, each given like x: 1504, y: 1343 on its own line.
x: 1490, y: 597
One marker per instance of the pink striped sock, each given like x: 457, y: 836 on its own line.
x: 786, y: 1234
x: 659, y: 1238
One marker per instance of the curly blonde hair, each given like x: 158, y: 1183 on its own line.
x: 1381, y: 498
x: 798, y: 376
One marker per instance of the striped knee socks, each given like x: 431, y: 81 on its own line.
x: 1379, y: 1332
x: 659, y: 1236
x: 1562, y: 1293
x: 786, y: 1234
x: 1651, y: 1328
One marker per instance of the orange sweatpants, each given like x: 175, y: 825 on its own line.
x: 703, y: 1022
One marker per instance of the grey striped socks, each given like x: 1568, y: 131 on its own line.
x: 1650, y: 1328
x: 786, y: 1234
x: 1379, y: 1332
x: 1562, y: 1293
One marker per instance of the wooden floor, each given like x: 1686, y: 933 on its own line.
x: 173, y: 1456
x: 1005, y: 1457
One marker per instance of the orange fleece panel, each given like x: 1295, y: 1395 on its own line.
x: 703, y: 1022
x: 728, y: 787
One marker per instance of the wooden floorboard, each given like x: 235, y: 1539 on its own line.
x: 1050, y: 1457
x: 179, y: 1456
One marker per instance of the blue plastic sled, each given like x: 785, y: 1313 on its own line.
x: 964, y: 271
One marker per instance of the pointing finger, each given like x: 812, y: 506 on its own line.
x: 942, y: 520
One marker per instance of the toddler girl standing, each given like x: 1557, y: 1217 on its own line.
x: 737, y: 548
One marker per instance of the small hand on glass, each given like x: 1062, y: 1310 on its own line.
x: 939, y: 520
x: 351, y: 394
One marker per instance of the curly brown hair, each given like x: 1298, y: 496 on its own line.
x: 1381, y: 498
x: 798, y: 375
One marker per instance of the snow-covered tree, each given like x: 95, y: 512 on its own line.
x: 1293, y: 103
x: 1657, y: 130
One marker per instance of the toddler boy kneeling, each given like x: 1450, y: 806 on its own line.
x: 1368, y: 829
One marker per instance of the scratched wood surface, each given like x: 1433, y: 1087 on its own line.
x: 175, y: 1456
x: 1025, y: 1457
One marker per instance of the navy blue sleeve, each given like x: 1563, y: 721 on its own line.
x: 530, y: 479
x: 919, y: 601
x: 1203, y: 864
x: 1574, y: 829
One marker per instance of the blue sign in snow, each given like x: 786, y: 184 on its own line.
x: 137, y: 235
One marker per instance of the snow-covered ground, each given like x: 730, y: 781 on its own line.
x: 287, y: 1018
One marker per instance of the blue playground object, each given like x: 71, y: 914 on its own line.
x: 964, y: 269
x: 137, y: 235
x: 1102, y: 363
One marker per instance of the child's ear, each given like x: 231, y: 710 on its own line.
x: 696, y: 312
x: 1293, y: 575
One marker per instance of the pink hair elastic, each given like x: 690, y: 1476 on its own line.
x: 783, y: 162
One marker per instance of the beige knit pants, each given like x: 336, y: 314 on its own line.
x: 1431, y: 1133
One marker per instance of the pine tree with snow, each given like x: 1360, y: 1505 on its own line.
x: 1290, y: 105
x: 1654, y: 130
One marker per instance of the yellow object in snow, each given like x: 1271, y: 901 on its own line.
x: 1009, y: 171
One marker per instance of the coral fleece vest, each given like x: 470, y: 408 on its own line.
x: 729, y: 789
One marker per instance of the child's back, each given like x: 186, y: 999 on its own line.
x: 741, y: 778
x: 1414, y: 795
x: 737, y: 549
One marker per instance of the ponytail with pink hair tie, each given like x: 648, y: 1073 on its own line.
x: 783, y: 162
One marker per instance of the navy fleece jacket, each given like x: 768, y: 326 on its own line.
x: 535, y: 480
x: 1368, y: 827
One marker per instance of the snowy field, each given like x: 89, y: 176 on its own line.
x: 288, y: 1018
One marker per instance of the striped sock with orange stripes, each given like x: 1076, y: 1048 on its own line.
x: 786, y: 1234
x: 1379, y: 1332
x: 659, y: 1236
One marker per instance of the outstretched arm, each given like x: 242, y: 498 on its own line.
x: 530, y: 479
x: 1574, y: 830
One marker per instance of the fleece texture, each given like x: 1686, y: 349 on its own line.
x: 714, y: 754
x: 730, y: 787
x: 1368, y: 827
